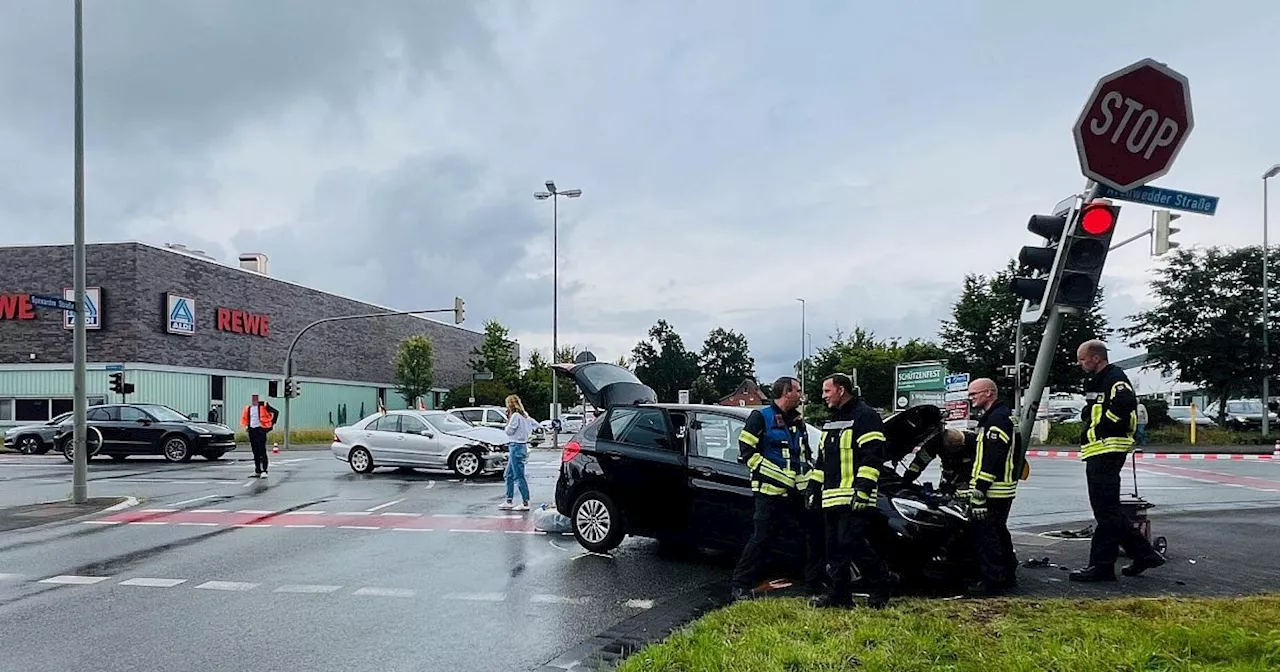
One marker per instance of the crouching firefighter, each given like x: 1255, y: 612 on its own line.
x: 998, y: 465
x: 850, y: 458
x: 770, y: 444
x: 957, y: 462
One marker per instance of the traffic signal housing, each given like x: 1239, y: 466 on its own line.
x: 273, y: 389
x: 1163, y: 232
x: 1085, y: 254
x: 291, y: 388
x: 1038, y: 265
x: 459, y: 310
x: 117, y: 382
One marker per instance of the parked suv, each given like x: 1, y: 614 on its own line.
x: 34, y: 439
x: 121, y: 430
x: 495, y: 416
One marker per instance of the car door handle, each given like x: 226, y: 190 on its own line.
x: 613, y: 455
x: 705, y: 471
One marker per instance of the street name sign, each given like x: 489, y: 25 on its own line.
x: 54, y: 302
x: 1164, y: 198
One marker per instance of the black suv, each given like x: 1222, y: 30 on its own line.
x: 120, y: 430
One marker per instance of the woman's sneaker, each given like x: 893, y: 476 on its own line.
x: 506, y: 506
x: 522, y: 507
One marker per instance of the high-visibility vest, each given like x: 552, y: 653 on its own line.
x: 264, y: 416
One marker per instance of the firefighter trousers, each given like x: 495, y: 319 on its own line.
x: 1113, y: 530
x: 848, y: 547
x: 993, y: 547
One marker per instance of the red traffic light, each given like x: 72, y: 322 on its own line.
x: 1098, y: 219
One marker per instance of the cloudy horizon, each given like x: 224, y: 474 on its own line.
x: 733, y: 157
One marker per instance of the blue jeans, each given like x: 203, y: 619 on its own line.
x: 1140, y: 436
x: 517, y: 456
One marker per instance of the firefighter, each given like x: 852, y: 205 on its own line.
x: 851, y: 456
x: 997, y: 467
x: 957, y: 462
x: 1108, y: 423
x: 770, y: 444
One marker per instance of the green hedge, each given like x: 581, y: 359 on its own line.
x: 297, y: 436
x: 1171, y: 435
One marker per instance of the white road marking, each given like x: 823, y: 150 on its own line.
x: 303, y: 513
x: 210, y: 510
x: 199, y: 524
x: 504, y: 517
x: 153, y: 583
x: 638, y: 604
x: 256, y: 512
x: 306, y: 589
x: 384, y: 506
x: 228, y: 585
x: 404, y: 515
x: 100, y: 522
x: 482, y: 531
x: 352, y: 513
x: 252, y: 525
x: 308, y: 527
x: 358, y: 527
x: 430, y: 484
x: 523, y: 531
x: 158, y: 510
x: 10, y: 577
x: 149, y: 522
x: 72, y: 580
x: 448, y: 515
x: 556, y: 599
x: 476, y: 597
x: 411, y: 529
x: 193, y: 501
x: 386, y: 592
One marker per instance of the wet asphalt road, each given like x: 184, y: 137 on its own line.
x: 322, y: 569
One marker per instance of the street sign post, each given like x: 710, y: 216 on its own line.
x: 1165, y: 198
x: 114, y: 367
x: 1133, y: 125
x: 54, y: 302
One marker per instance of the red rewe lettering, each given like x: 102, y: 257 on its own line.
x: 237, y: 321
x: 264, y: 326
x: 251, y: 324
x: 16, y: 307
x: 224, y: 319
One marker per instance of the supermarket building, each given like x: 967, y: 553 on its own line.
x: 196, y: 334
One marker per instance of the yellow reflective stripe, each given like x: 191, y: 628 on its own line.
x: 1001, y: 432
x: 1120, y: 385
x: 817, y: 475
x: 869, y: 437
x: 869, y: 473
x: 846, y: 460
x: 748, y: 438
x: 837, y: 492
x: 1113, y: 417
x: 1095, y: 416
x: 862, y: 495
x: 754, y: 461
x: 768, y: 489
x: 984, y: 476
x: 1100, y: 447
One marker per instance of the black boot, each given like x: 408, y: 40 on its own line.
x: 1143, y: 564
x: 1093, y: 574
x: 742, y: 594
x: 831, y: 601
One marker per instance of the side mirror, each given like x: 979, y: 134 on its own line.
x: 427, y: 433
x: 143, y: 421
x: 192, y: 416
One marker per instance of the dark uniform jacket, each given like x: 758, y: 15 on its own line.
x: 1110, y: 418
x: 770, y: 445
x: 851, y: 455
x: 998, y: 461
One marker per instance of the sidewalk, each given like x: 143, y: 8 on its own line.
x: 32, y: 515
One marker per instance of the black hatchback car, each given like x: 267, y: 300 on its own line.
x: 665, y: 471
x: 121, y: 430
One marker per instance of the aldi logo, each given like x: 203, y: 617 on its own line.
x: 92, y: 308
x: 181, y: 313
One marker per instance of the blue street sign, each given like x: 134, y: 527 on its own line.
x: 55, y: 302
x: 115, y: 367
x: 1164, y: 198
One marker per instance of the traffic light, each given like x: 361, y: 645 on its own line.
x: 1040, y: 264
x: 291, y: 389
x: 1163, y: 232
x: 1086, y: 253
x: 117, y: 382
x: 273, y: 389
x: 128, y: 389
x: 459, y: 310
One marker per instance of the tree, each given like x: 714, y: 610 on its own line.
x: 534, y: 385
x: 1207, y: 322
x: 726, y: 361
x: 663, y: 363
x: 496, y: 354
x: 704, y: 391
x: 873, y: 359
x: 487, y: 393
x: 982, y: 330
x: 415, y: 368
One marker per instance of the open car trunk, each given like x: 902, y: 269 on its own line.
x: 605, y: 385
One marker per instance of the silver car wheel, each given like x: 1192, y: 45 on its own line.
x: 467, y: 464
x: 594, y: 521
x: 360, y: 460
x: 29, y: 445
x: 175, y: 449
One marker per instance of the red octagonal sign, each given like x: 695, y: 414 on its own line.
x: 1134, y: 124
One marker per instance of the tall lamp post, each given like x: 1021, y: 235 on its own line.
x: 1266, y: 307
x: 554, y: 194
x: 80, y: 465
x: 803, y: 353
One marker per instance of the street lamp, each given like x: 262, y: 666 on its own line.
x: 803, y: 331
x: 80, y: 462
x: 1266, y: 307
x: 554, y: 194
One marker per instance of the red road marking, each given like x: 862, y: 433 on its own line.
x: 323, y: 519
x: 1202, y: 474
x: 1159, y: 456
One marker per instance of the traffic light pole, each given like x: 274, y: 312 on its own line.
x: 1048, y: 344
x: 288, y: 357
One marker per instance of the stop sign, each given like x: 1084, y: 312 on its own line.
x: 1134, y: 124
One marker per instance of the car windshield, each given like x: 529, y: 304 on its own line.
x: 447, y: 422
x: 1179, y: 412
x: 165, y: 414
x: 1245, y: 407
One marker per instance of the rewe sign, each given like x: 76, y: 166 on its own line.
x: 243, y: 322
x: 1134, y: 125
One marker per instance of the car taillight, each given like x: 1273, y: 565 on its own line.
x: 335, y: 438
x: 571, y: 451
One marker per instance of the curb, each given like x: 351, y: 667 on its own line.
x: 1162, y: 456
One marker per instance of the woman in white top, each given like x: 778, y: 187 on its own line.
x: 519, y: 428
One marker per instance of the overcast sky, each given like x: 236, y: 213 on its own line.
x: 734, y: 155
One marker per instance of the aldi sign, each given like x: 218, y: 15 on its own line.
x: 92, y: 308
x: 180, y: 314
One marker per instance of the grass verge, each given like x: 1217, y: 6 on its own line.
x: 981, y: 636
x: 1069, y: 435
x: 298, y: 436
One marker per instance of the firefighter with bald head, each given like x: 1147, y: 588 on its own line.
x: 998, y: 465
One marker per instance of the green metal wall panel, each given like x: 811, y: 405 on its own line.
x: 43, y: 383
x: 186, y: 393
x: 319, y: 404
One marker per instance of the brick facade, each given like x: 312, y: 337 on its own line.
x: 135, y: 279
